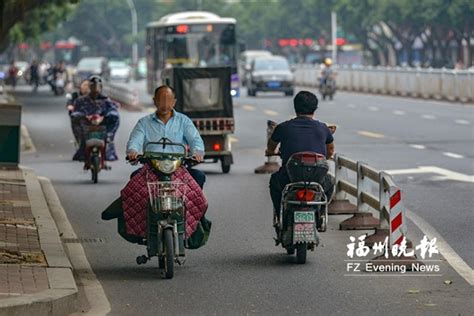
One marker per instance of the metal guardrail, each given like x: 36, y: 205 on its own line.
x: 392, y: 218
x: 452, y: 85
x: 125, y: 96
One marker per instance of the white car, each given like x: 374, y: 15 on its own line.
x: 119, y: 70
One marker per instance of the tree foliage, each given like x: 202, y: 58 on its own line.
x: 387, y: 29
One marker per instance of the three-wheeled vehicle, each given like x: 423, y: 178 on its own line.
x: 204, y: 95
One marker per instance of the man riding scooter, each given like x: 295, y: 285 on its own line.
x: 167, y: 122
x: 95, y: 103
x: 301, y: 134
x: 163, y: 200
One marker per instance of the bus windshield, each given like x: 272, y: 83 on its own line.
x: 201, y: 49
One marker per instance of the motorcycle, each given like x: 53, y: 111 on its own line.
x: 59, y: 84
x: 328, y: 87
x: 95, y: 146
x: 303, y: 210
x: 166, y: 235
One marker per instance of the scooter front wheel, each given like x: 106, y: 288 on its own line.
x: 95, y: 168
x: 168, y: 258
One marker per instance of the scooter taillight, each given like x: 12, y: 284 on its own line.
x: 305, y: 195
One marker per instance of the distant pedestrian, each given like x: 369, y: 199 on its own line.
x: 12, y: 74
x: 34, y: 75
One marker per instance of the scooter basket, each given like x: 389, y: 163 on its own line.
x: 307, y: 167
x: 166, y: 196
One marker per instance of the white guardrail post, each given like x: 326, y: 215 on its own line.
x: 340, y: 204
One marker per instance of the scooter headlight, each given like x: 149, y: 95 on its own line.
x: 166, y: 166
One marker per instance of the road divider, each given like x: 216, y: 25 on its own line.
x: 391, y: 225
x: 452, y: 85
x: 272, y: 164
x: 128, y: 98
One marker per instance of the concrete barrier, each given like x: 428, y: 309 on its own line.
x: 452, y: 85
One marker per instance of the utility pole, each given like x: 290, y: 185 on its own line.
x: 334, y: 36
x: 133, y: 13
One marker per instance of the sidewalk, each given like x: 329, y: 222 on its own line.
x: 35, y: 273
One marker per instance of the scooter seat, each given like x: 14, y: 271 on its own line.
x: 94, y: 142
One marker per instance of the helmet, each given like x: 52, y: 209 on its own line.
x: 328, y: 61
x: 95, y: 79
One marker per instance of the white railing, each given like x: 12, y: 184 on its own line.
x: 452, y: 85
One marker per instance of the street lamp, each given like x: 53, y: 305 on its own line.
x: 133, y: 12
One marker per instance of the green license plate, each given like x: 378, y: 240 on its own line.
x: 304, y: 217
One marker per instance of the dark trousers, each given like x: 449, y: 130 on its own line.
x: 198, y: 176
x: 280, y: 179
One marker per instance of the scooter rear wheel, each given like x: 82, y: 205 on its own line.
x: 301, y: 253
x: 168, y: 259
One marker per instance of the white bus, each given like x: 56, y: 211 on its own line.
x: 191, y: 39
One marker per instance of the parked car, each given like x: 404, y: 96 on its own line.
x: 270, y: 74
x: 245, y: 62
x: 120, y: 70
x: 91, y: 66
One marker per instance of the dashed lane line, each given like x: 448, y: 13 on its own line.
x: 428, y: 117
x: 352, y: 106
x: 249, y: 108
x: 416, y: 146
x: 370, y: 134
x: 398, y: 112
x: 462, y: 122
x: 453, y: 155
x: 373, y: 108
x: 270, y: 113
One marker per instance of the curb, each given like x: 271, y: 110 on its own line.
x: 61, y: 298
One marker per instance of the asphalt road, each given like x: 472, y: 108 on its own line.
x: 240, y: 271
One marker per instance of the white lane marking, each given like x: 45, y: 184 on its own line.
x: 370, y: 134
x: 373, y: 108
x: 445, y: 174
x: 352, y: 106
x: 398, y: 112
x: 462, y: 122
x: 249, y: 108
x: 453, y: 155
x: 270, y: 113
x: 428, y: 116
x: 458, y: 264
x: 416, y: 146
x: 93, y: 290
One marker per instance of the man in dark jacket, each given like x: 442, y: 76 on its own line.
x: 95, y: 103
x: 303, y: 133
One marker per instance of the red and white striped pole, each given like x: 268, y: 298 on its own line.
x: 397, y: 217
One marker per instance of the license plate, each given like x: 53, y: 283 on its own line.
x: 304, y: 232
x: 273, y: 84
x: 304, y: 217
